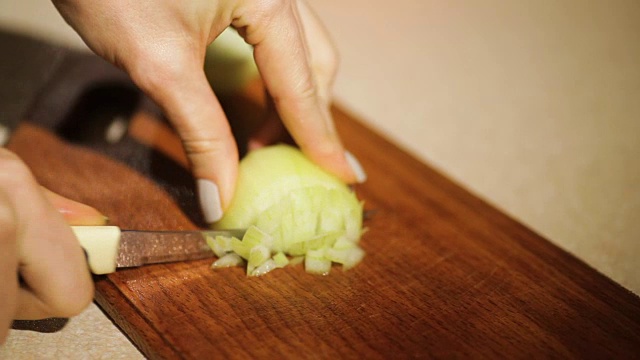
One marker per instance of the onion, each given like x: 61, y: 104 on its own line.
x: 290, y: 208
x: 229, y: 64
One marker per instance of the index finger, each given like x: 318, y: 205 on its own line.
x: 280, y: 52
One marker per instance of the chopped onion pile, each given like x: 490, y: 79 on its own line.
x: 293, y: 212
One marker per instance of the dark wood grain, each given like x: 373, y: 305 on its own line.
x: 445, y: 275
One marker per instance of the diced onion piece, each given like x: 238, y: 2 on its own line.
x: 258, y: 255
x: 211, y: 243
x: 315, y: 262
x: 344, y: 243
x: 220, y: 245
x: 319, y: 266
x: 266, y: 267
x: 322, y: 241
x: 296, y: 260
x: 317, y: 253
x: 347, y: 257
x: 254, y: 236
x: 228, y: 260
x: 241, y: 248
x: 280, y: 260
x: 296, y: 249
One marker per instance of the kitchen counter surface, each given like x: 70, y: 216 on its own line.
x: 535, y: 108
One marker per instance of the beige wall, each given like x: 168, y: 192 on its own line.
x: 534, y: 105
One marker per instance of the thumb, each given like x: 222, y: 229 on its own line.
x: 75, y: 213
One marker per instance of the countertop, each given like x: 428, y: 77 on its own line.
x: 534, y: 107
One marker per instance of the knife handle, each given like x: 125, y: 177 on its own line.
x: 101, y: 244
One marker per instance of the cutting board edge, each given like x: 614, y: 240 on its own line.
x: 147, y: 339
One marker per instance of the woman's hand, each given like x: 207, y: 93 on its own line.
x: 162, y: 44
x: 43, y: 270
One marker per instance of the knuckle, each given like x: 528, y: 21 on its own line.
x: 303, y: 97
x: 328, y: 64
x: 14, y: 171
x: 263, y: 16
x: 7, y: 155
x: 154, y: 76
x: 72, y: 301
x: 308, y: 91
x: 270, y: 7
x: 203, y: 146
x: 8, y: 218
x: 156, y: 72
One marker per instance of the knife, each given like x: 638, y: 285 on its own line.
x: 109, y: 247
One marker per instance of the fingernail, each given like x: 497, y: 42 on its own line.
x: 209, y: 197
x: 361, y: 176
x: 4, y: 135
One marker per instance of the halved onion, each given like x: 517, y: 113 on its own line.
x: 291, y: 208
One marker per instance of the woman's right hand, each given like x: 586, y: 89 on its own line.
x: 43, y: 270
x: 162, y: 45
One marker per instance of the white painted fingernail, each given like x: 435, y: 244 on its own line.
x: 4, y: 135
x: 361, y: 176
x: 209, y: 197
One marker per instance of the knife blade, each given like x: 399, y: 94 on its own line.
x: 109, y: 247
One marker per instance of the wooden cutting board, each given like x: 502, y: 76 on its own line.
x: 445, y: 275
